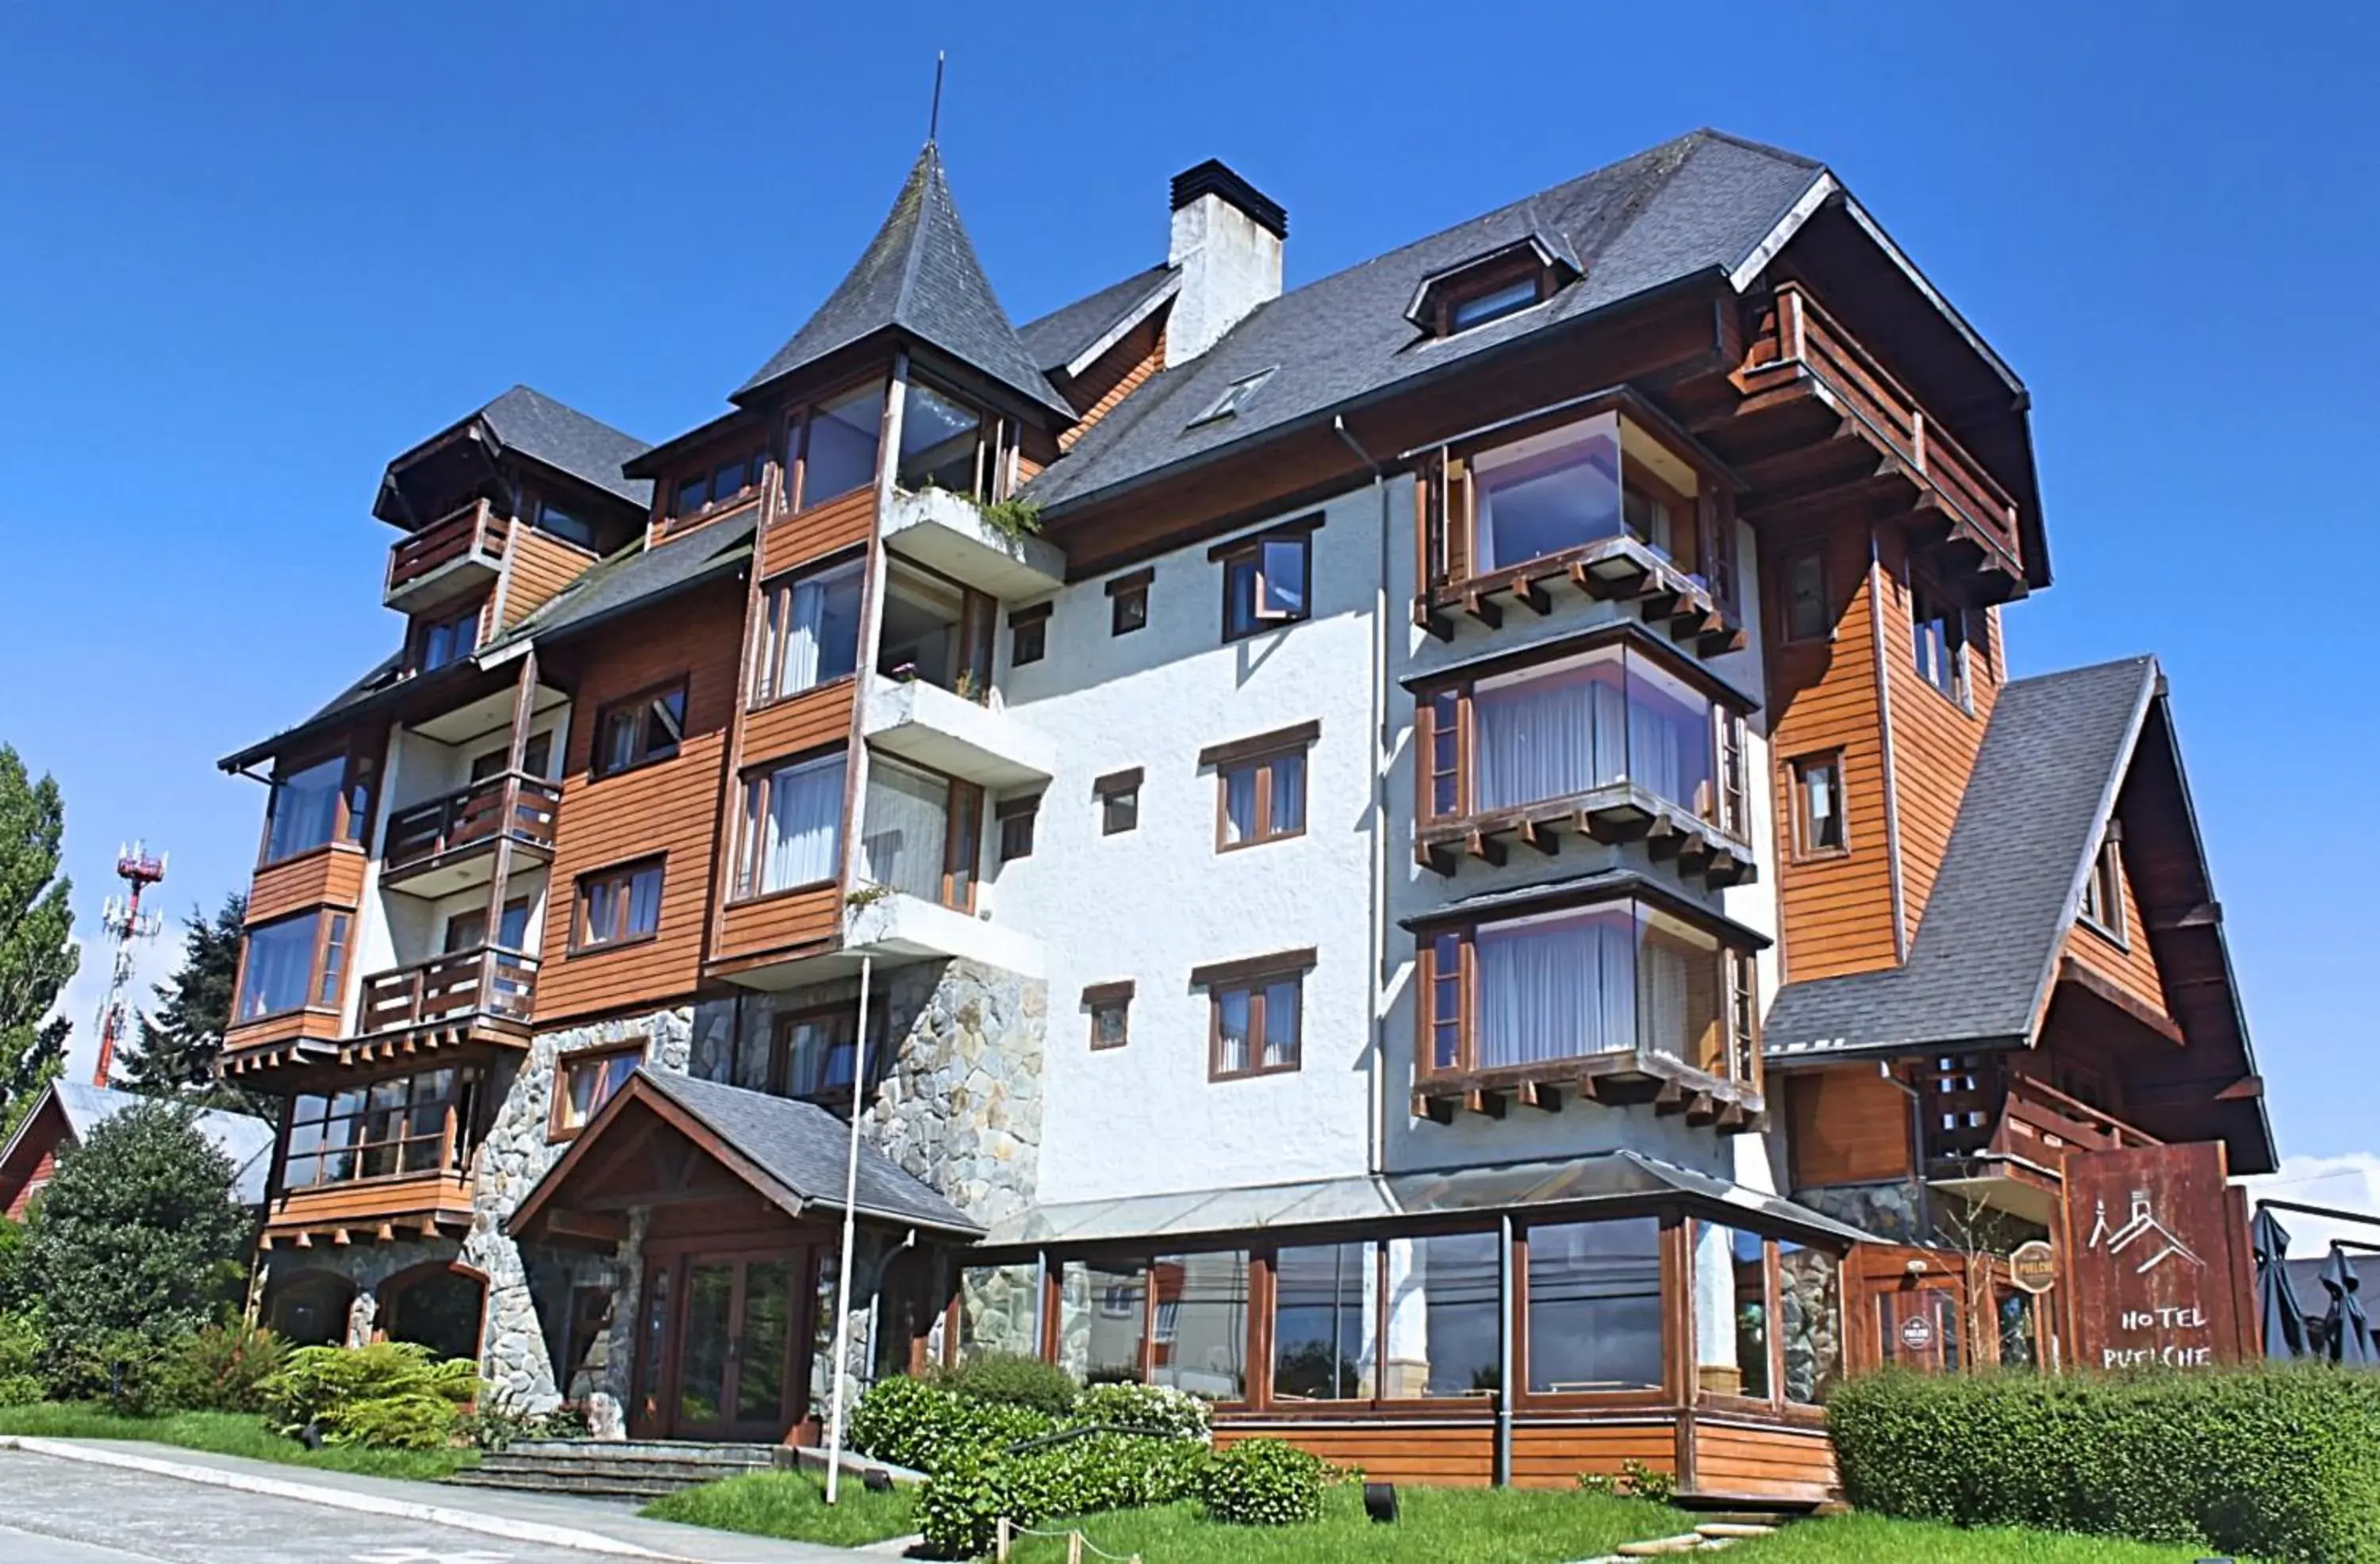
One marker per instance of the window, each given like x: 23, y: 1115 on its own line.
x: 839, y: 449
x: 1119, y: 796
x: 1265, y: 583
x: 813, y: 1053
x: 1563, y: 489
x: 468, y: 930
x: 1260, y: 787
x: 810, y: 636
x: 405, y: 1124
x: 564, y: 525
x: 1939, y: 642
x: 1128, y: 602
x: 2103, y: 892
x: 1017, y: 817
x: 1323, y: 1329
x: 1255, y: 1007
x: 1110, y: 1008
x: 1235, y: 397
x: 937, y: 631
x: 292, y: 962
x: 1490, y: 304
x: 588, y: 1080
x: 1444, y: 1298
x: 920, y: 834
x: 619, y: 906
x: 329, y: 801
x: 1807, y: 614
x: 639, y: 730
x: 1028, y: 635
x: 1731, y: 1274
x: 536, y: 755
x: 724, y: 484
x: 448, y: 639
x: 1818, y: 826
x: 1595, y: 1306
x: 793, y: 826
x: 947, y: 444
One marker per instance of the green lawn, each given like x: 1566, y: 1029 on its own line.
x: 792, y: 1504
x: 1871, y: 1539
x: 225, y: 1432
x: 1435, y: 1526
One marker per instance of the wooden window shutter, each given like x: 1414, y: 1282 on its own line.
x: 1455, y: 519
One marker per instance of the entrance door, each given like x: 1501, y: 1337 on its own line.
x: 739, y: 1368
x: 1921, y: 1327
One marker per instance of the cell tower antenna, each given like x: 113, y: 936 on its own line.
x: 127, y: 926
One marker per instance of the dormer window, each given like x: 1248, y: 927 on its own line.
x: 722, y: 484
x: 1503, y: 283
x: 1235, y: 396
x: 1497, y: 302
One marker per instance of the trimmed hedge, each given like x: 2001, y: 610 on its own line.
x: 1012, y: 1380
x: 1159, y: 1410
x: 959, y: 1510
x: 2280, y: 1461
x: 917, y: 1424
x: 1264, y: 1482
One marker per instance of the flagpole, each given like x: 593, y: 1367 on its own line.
x: 850, y: 1238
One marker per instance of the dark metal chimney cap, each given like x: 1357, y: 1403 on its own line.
x: 1214, y: 177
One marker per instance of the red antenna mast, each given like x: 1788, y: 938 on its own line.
x: 126, y: 925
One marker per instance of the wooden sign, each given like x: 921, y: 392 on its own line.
x: 2158, y: 1258
x: 2033, y: 1266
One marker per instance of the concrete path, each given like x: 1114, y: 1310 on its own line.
x: 106, y: 1502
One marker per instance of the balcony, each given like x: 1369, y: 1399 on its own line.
x: 921, y: 721
x: 947, y: 532
x: 897, y: 924
x: 447, y: 844
x: 2016, y: 1160
x: 1618, y: 1002
x: 483, y: 991
x: 447, y: 557
x: 1611, y: 745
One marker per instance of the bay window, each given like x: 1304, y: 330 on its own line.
x: 922, y: 833
x: 810, y: 634
x: 1594, y: 1320
x: 793, y: 826
x: 317, y: 805
x: 832, y: 449
x: 392, y: 1128
x: 947, y: 444
x: 295, y: 962
x: 1444, y: 1315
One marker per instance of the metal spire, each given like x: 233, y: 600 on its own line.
x: 934, y: 115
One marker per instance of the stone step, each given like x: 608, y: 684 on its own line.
x: 682, y: 1471
x: 1734, y: 1531
x: 1660, y: 1548
x: 651, y: 1450
x: 578, y: 1485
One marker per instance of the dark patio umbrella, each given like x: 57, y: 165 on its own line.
x: 2349, y: 1332
x: 2277, y: 1300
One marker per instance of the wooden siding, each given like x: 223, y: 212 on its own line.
x: 34, y: 1182
x: 809, y: 720
x: 1739, y: 1460
x: 786, y: 921
x: 321, y: 1025
x: 1121, y: 370
x: 1548, y: 1451
x: 2130, y: 967
x: 796, y: 540
x: 1934, y: 740
x: 540, y: 566
x: 668, y: 809
x: 327, y: 877
x: 1846, y: 1124
x: 1835, y: 913
x: 371, y: 1200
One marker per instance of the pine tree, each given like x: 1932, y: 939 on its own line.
x: 38, y: 953
x: 181, y: 1040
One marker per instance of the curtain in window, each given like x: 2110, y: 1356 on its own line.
x: 819, y: 637
x: 305, y: 810
x: 280, y: 967
x: 1662, y: 1001
x: 1564, y: 734
x: 1557, y: 988
x: 802, y: 835
x: 907, y: 821
x: 1240, y: 804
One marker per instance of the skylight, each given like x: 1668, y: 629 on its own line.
x: 1235, y: 396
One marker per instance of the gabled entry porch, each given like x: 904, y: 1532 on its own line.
x: 734, y: 1200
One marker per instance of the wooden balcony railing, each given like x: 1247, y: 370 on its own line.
x: 475, y: 531
x: 509, y: 801
x: 2041, y: 1124
x: 1808, y: 339
x: 498, y: 984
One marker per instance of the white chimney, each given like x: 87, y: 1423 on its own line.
x: 1227, y: 241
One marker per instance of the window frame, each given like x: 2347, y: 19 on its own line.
x: 1251, y: 977
x: 318, y: 974
x: 1251, y: 551
x: 755, y: 463
x: 557, y: 1127
x: 1099, y: 999
x: 756, y: 796
x: 1262, y: 754
x: 1119, y: 790
x: 880, y: 1042
x: 997, y: 439
x: 1951, y: 615
x: 1028, y: 635
x: 2102, y: 907
x: 793, y: 468
x: 1008, y: 812
x: 624, y: 873
x: 457, y: 1134
x: 358, y: 797
x: 462, y: 617
x: 643, y: 700
x: 1128, y: 601
x: 1804, y: 846
x: 1815, y: 555
x: 775, y: 612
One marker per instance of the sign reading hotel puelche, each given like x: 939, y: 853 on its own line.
x: 2033, y: 1266
x: 2158, y: 1258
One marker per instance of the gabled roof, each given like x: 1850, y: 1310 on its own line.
x: 245, y: 1139
x: 637, y: 577
x: 1063, y: 338
x: 919, y: 275
x: 1702, y: 204
x: 524, y: 422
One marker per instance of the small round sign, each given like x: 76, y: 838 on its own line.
x: 2033, y: 1266
x: 1917, y: 1333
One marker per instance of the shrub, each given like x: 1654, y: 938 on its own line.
x: 392, y: 1394
x: 1159, y: 1410
x: 494, y: 1425
x: 2280, y: 1461
x: 960, y: 1508
x: 925, y: 1426
x: 1014, y: 1379
x: 223, y: 1368
x: 1264, y: 1482
x: 21, y: 1349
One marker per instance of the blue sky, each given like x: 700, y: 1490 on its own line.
x: 254, y: 252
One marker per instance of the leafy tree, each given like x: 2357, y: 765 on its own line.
x: 137, y: 1241
x: 180, y: 1042
x: 36, y: 950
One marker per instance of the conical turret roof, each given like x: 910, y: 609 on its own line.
x: 919, y: 276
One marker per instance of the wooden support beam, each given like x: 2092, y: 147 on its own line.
x: 1663, y: 840
x: 1539, y: 1095
x: 1701, y: 1109
x: 339, y: 1238
x: 1543, y: 835
x: 1670, y: 1099
x: 1485, y: 609
x: 2204, y: 915
x: 1437, y: 1109
x: 1490, y: 1103
x: 1488, y: 849
x: 1732, y: 1117
x: 1534, y: 594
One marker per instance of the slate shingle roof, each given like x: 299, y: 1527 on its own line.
x: 803, y: 1147
x: 567, y: 440
x: 1702, y: 203
x: 1060, y: 338
x: 2043, y: 787
x: 919, y: 276
x: 636, y: 577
